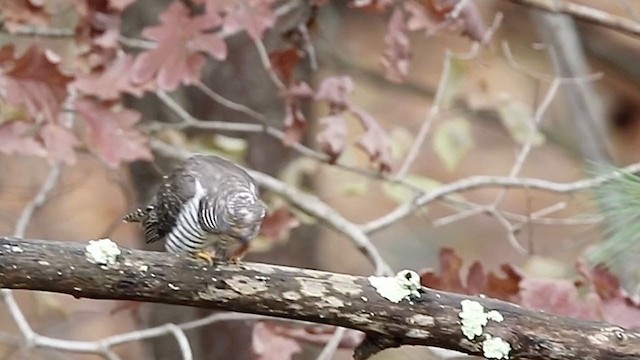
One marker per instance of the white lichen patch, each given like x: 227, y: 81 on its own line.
x: 474, y: 318
x: 143, y: 268
x: 495, y: 348
x: 246, y: 285
x: 311, y: 288
x: 102, y: 251
x: 421, y: 320
x: 291, y: 295
x: 395, y: 288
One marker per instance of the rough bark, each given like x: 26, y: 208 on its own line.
x: 302, y: 294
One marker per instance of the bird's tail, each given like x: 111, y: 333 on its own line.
x: 136, y: 216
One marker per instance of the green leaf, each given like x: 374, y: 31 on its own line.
x: 517, y: 118
x: 456, y: 81
x: 453, y: 141
x: 355, y: 188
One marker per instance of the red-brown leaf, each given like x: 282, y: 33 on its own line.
x: 336, y: 90
x: 295, y: 124
x: 269, y: 345
x: 448, y: 278
x: 285, y: 62
x: 617, y: 306
x: 473, y: 25
x: 558, y: 297
x: 16, y: 138
x: 254, y: 16
x: 278, y: 224
x: 477, y: 281
x: 98, y: 26
x: 418, y: 18
x: 17, y: 13
x: 504, y: 288
x: 60, y: 142
x: 397, y: 53
x: 110, y: 134
x: 333, y: 138
x: 110, y: 82
x: 375, y: 141
x: 32, y: 80
x: 299, y: 90
x: 177, y: 58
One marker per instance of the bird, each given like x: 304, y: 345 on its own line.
x: 201, y: 208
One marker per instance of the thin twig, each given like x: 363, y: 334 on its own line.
x: 434, y: 109
x: 266, y: 64
x: 331, y: 347
x: 477, y: 182
x: 230, y: 104
x: 191, y: 122
x: 584, y: 13
x: 39, y: 199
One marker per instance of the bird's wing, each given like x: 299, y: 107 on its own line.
x: 175, y: 190
x: 213, y: 171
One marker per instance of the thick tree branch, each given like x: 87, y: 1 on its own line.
x: 309, y: 295
x: 585, y: 13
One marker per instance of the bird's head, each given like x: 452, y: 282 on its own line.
x: 244, y: 215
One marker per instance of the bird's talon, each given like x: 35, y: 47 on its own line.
x: 207, y: 256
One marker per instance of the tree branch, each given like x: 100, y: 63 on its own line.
x: 309, y: 295
x: 584, y: 13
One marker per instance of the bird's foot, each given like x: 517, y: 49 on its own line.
x: 207, y: 255
x: 239, y: 253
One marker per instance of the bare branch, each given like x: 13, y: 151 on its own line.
x: 302, y: 294
x: 584, y: 13
x: 476, y: 182
x: 434, y: 109
x: 189, y: 121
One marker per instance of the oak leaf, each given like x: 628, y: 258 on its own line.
x: 284, y: 62
x: 254, y: 16
x: 375, y: 141
x: 110, y: 133
x: 295, y: 123
x: 109, y: 82
x: 60, y: 142
x: 33, y: 80
x: 17, y: 13
x: 397, y: 54
x: 178, y: 57
x: 16, y: 138
x: 333, y: 137
x: 336, y: 90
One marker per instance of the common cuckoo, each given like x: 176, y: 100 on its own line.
x: 201, y: 208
